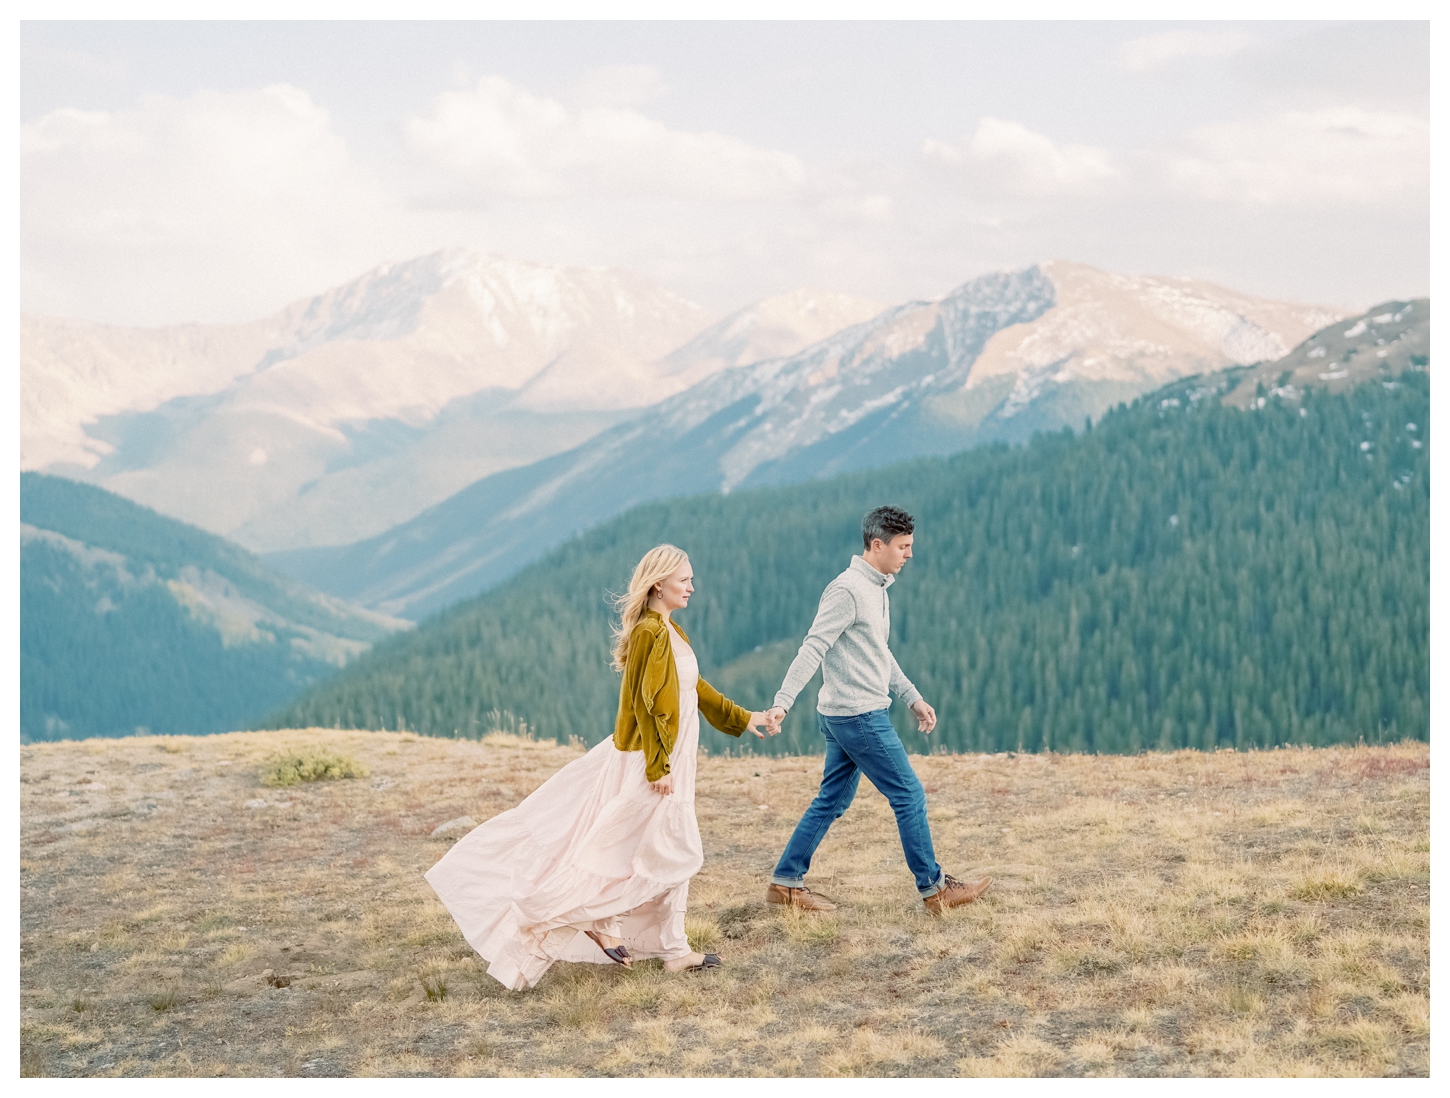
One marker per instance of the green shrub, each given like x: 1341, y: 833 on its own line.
x: 1330, y: 884
x: 435, y: 986
x: 310, y: 764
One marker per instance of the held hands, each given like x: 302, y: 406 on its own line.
x: 925, y: 718
x: 773, y: 716
x: 771, y: 728
x: 770, y: 719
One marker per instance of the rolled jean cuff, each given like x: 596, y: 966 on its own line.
x: 934, y: 889
x: 788, y: 882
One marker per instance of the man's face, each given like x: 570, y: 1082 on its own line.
x: 887, y: 557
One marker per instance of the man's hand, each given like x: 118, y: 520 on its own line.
x: 925, y: 716
x: 773, y: 716
x: 664, y: 786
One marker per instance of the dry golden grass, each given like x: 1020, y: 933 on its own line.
x: 1186, y: 914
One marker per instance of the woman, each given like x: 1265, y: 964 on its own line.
x: 595, y: 864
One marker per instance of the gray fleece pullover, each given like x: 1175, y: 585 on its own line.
x: 849, y: 638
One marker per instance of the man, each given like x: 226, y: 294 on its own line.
x: 849, y: 638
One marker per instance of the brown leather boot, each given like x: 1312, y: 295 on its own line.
x: 954, y: 893
x: 802, y: 898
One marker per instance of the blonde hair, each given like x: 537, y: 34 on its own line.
x: 660, y: 563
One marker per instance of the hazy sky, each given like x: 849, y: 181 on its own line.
x: 215, y: 171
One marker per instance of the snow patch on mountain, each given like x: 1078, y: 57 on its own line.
x: 1138, y: 330
x: 902, y: 354
x: 89, y: 557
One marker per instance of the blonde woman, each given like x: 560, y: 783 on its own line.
x: 595, y: 864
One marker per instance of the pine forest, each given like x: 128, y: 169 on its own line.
x: 1180, y: 574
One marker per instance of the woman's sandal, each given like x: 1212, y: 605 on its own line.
x: 618, y: 954
x: 712, y: 960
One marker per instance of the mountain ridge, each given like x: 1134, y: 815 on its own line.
x: 133, y: 619
x: 351, y: 411
x: 920, y: 378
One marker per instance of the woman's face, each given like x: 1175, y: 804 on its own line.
x: 675, y: 592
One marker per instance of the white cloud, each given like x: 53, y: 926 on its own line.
x: 864, y: 207
x: 500, y: 140
x: 1007, y: 158
x: 619, y: 86
x: 1157, y: 51
x: 212, y: 207
x: 1343, y: 156
x: 226, y: 206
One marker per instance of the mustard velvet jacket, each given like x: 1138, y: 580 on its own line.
x: 649, y: 698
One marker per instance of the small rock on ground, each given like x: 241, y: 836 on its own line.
x: 456, y: 826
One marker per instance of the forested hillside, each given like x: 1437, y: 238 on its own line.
x: 1181, y: 574
x: 130, y: 620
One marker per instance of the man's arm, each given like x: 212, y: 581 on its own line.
x: 901, y: 686
x: 835, y: 613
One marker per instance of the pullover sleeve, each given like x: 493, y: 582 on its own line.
x: 720, y: 711
x: 645, y: 672
x: 835, y: 614
x: 901, y: 686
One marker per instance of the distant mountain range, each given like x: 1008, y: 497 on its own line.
x: 1002, y: 357
x: 352, y: 411
x: 130, y: 620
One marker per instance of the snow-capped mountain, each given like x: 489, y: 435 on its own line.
x: 401, y: 341
x: 773, y: 328
x: 767, y: 329
x: 1376, y: 345
x: 352, y: 411
x: 348, y: 412
x: 1001, y: 357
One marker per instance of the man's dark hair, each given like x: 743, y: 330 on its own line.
x: 885, y: 523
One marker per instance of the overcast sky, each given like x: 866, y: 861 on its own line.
x: 216, y: 171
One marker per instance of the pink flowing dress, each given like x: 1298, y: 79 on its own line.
x: 593, y: 848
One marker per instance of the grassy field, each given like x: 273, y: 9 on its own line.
x: 1228, y: 914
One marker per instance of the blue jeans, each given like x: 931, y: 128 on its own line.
x: 866, y: 742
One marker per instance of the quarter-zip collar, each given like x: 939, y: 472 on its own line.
x: 880, y: 579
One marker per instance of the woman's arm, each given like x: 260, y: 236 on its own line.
x: 723, y: 713
x: 654, y: 703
